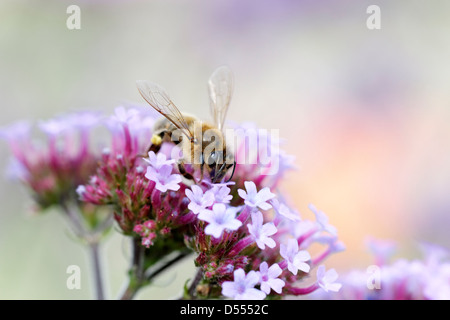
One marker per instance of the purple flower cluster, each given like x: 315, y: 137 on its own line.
x: 53, y: 167
x: 137, y: 187
x: 419, y: 279
x: 249, y: 243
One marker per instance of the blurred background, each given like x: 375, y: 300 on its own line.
x: 365, y: 112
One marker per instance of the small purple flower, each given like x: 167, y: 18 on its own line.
x: 336, y: 245
x: 434, y: 254
x: 122, y: 115
x: 253, y: 198
x: 164, y: 178
x: 219, y: 219
x: 17, y: 131
x: 286, y: 161
x: 322, y: 221
x: 243, y: 286
x: 160, y: 171
x: 295, y: 259
x: 436, y: 281
x: 326, y: 280
x: 84, y: 119
x: 221, y: 193
x: 81, y: 189
x: 199, y: 200
x: 284, y: 211
x: 382, y: 250
x: 260, y: 232
x: 268, y: 277
x: 159, y: 160
x: 16, y: 170
x: 54, y: 127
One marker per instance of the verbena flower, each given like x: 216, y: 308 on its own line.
x: 262, y: 232
x: 247, y: 241
x: 382, y: 250
x: 270, y: 233
x: 219, y: 219
x: 268, y: 278
x: 322, y: 220
x: 157, y: 161
x: 221, y: 193
x: 284, y: 211
x: 295, y: 259
x: 402, y: 279
x: 54, y: 166
x: 164, y: 178
x: 326, y: 279
x: 243, y: 286
x: 199, y: 200
x: 253, y: 198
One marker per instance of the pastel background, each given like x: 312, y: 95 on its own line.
x: 365, y: 112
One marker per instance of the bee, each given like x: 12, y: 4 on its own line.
x: 202, y: 143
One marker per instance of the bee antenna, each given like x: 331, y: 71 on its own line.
x: 218, y: 172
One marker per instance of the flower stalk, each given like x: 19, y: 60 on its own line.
x: 94, y: 248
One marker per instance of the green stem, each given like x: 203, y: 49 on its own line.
x: 98, y: 281
x: 136, y: 273
x: 195, y: 282
x: 92, y: 239
x: 160, y: 267
x: 134, y: 285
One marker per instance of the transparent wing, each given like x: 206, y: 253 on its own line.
x: 157, y: 97
x: 220, y: 86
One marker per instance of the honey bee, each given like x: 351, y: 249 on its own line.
x: 202, y: 143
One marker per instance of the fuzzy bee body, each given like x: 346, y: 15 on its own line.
x: 202, y: 143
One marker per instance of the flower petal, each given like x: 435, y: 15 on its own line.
x: 277, y: 285
x: 242, y: 194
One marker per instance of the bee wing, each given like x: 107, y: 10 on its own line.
x: 157, y: 97
x: 220, y: 86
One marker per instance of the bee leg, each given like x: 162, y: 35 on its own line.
x: 201, y: 171
x: 183, y: 172
x: 153, y: 147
